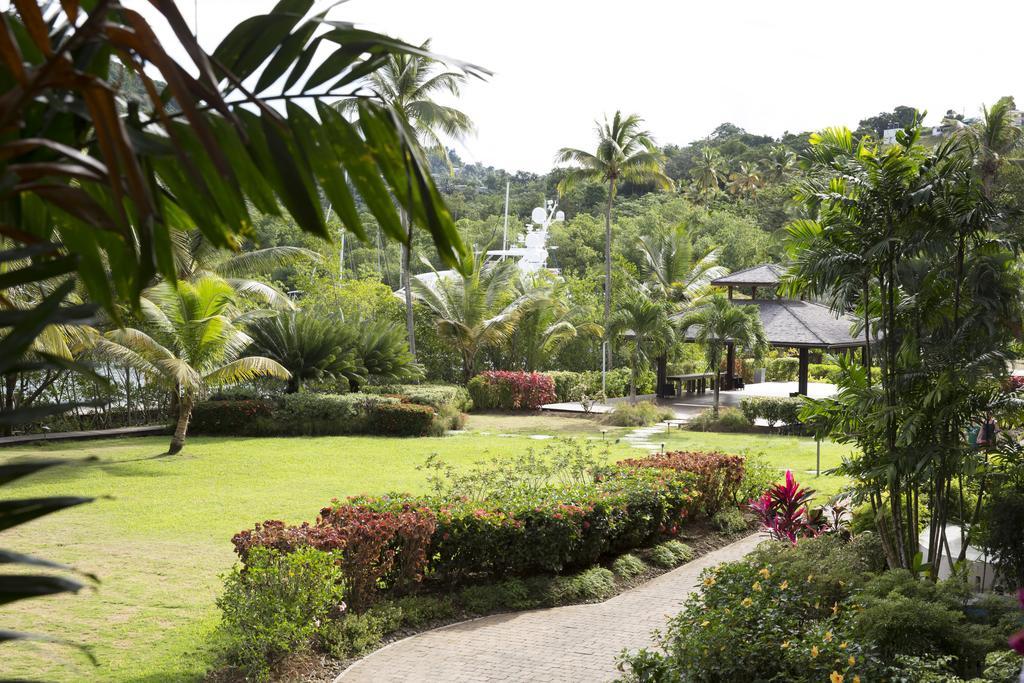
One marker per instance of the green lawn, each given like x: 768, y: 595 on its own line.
x: 160, y: 536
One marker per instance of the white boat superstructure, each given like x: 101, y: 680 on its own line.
x: 530, y: 253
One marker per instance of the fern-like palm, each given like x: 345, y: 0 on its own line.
x: 625, y: 153
x: 193, y: 340
x: 709, y: 173
x: 551, y: 320
x: 718, y: 322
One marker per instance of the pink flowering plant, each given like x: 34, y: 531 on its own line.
x: 511, y: 390
x: 783, y: 510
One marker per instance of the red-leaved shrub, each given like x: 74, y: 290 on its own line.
x: 718, y: 475
x: 507, y: 390
x: 378, y: 548
x: 784, y: 512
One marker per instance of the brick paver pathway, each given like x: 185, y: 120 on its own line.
x: 563, y: 644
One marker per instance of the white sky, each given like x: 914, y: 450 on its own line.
x: 687, y: 66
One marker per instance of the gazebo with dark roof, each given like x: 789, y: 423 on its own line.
x: 788, y: 323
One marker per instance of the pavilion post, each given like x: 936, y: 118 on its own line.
x: 730, y: 364
x: 805, y: 361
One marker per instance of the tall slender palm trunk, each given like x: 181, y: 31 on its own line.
x: 410, y: 323
x: 608, y: 268
x: 181, y: 429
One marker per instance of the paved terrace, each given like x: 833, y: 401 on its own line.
x: 688, y: 405
x: 577, y: 643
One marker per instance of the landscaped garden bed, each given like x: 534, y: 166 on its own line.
x: 544, y: 529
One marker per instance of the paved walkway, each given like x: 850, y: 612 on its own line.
x: 564, y: 644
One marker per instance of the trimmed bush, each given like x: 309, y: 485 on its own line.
x: 242, y: 417
x: 642, y: 414
x: 670, y: 554
x: 596, y: 583
x: 774, y: 411
x: 505, y: 390
x: 627, y: 566
x: 718, y: 475
x: 783, y: 369
x: 378, y: 548
x: 729, y: 420
x: 402, y: 419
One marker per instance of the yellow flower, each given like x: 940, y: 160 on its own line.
x: 709, y: 581
x: 810, y: 577
x: 814, y: 651
x: 836, y: 677
x: 747, y: 602
x: 765, y: 573
x: 852, y: 660
x: 757, y: 586
x: 817, y: 604
x: 785, y: 645
x: 828, y: 636
x: 784, y: 585
x: 842, y: 645
x: 705, y: 623
x: 856, y: 679
x: 835, y: 608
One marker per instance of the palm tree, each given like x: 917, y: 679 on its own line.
x: 195, y: 257
x: 709, y: 173
x: 993, y: 140
x: 474, y: 311
x: 645, y: 323
x: 672, y: 270
x: 409, y: 83
x: 779, y: 163
x: 745, y: 180
x: 718, y: 322
x: 196, y: 342
x: 625, y: 153
x: 549, y: 321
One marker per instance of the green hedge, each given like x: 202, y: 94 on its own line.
x: 309, y: 414
x: 783, y: 369
x: 569, y: 385
x: 773, y: 410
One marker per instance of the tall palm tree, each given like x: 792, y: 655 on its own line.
x: 474, y: 311
x: 410, y: 83
x: 195, y: 341
x: 718, y: 322
x: 673, y: 271
x: 644, y: 322
x: 625, y: 153
x: 709, y: 173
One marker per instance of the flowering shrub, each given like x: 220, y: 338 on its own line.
x: 507, y: 390
x: 783, y: 511
x: 717, y: 475
x: 570, y: 385
x: 773, y: 410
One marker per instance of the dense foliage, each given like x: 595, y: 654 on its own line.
x: 823, y: 610
x: 504, y: 390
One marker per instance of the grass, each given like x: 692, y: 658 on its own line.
x: 159, y: 535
